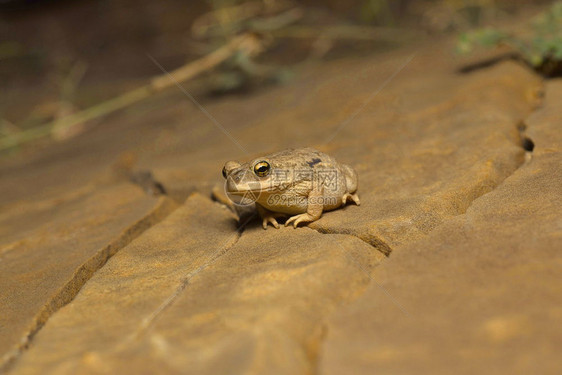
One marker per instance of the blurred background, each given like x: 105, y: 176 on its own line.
x: 58, y: 57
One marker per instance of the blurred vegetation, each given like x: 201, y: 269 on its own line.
x: 378, y: 12
x: 541, y: 49
x: 228, y: 18
x: 233, y: 45
x: 58, y: 82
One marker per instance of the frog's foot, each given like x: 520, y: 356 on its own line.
x: 302, y: 218
x: 354, y: 198
x: 270, y: 218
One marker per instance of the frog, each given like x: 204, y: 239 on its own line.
x: 299, y: 184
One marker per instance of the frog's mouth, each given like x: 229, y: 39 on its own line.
x: 254, y: 187
x: 257, y: 187
x: 255, y: 191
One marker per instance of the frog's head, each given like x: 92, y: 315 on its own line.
x: 267, y: 175
x: 256, y: 176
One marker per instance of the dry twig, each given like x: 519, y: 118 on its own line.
x: 245, y: 43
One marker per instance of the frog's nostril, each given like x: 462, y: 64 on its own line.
x: 236, y: 178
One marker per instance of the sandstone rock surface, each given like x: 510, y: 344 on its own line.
x: 51, y: 248
x: 187, y: 296
x: 482, y: 291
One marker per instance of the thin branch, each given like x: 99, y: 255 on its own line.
x: 247, y: 43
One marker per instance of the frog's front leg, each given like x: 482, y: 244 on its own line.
x: 313, y: 211
x: 268, y: 217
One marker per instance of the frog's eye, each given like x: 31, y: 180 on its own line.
x: 262, y: 168
x: 224, y: 172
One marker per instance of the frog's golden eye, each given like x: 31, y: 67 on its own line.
x: 224, y: 172
x: 262, y: 168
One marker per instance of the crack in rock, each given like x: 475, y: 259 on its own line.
x: 368, y: 238
x: 526, y: 143
x: 85, y: 272
x: 183, y: 284
x: 146, y: 181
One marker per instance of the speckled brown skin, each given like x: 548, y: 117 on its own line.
x: 301, y: 182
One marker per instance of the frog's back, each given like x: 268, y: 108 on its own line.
x: 302, y: 158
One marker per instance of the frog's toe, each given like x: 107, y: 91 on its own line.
x: 354, y: 198
x: 268, y: 220
x: 297, y: 219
